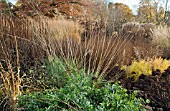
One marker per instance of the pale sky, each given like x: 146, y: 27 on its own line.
x: 12, y: 1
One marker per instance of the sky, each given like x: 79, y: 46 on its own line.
x: 12, y: 1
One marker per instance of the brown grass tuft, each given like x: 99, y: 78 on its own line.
x: 161, y: 39
x: 63, y: 29
x: 20, y: 49
x: 141, y: 40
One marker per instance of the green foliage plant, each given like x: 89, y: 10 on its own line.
x: 56, y: 70
x: 81, y: 93
x: 86, y: 98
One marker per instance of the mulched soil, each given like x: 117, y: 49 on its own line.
x: 156, y: 88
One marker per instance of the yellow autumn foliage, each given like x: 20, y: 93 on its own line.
x: 160, y: 64
x: 146, y: 67
x: 125, y: 10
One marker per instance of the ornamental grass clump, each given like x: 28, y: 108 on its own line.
x: 96, y: 52
x: 138, y: 32
x: 161, y: 39
x: 20, y: 49
x: 141, y: 37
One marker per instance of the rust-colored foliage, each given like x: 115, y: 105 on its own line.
x: 68, y: 8
x: 1, y: 6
